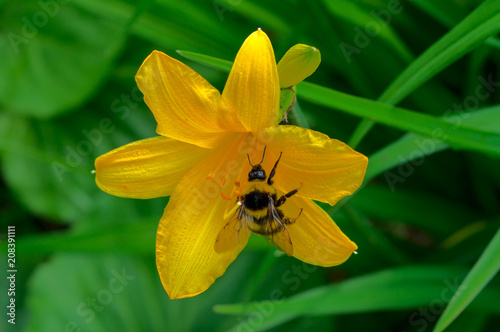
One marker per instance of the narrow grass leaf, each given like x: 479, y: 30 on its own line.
x: 393, y: 289
x: 139, y: 238
x: 465, y: 37
x: 207, y: 60
x: 412, y: 146
x: 458, y: 137
x: 476, y: 28
x: 483, y: 271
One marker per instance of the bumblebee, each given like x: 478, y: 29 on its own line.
x: 257, y: 210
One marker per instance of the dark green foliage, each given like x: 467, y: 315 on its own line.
x: 425, y: 72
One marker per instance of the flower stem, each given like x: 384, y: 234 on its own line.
x: 299, y: 117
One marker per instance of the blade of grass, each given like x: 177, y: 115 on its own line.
x: 392, y: 289
x: 481, y: 24
x: 483, y: 271
x: 458, y: 137
x: 476, y: 28
x: 207, y: 60
x: 412, y: 146
x: 110, y: 238
x: 448, y: 14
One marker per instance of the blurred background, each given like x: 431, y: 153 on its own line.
x: 85, y: 259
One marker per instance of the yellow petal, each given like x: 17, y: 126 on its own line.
x: 185, y: 106
x: 297, y: 64
x: 252, y: 89
x: 185, y: 255
x: 147, y: 168
x: 315, y: 237
x: 321, y: 168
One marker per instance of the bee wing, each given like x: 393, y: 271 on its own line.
x: 279, y: 234
x: 281, y: 239
x: 234, y: 233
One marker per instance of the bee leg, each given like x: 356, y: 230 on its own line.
x: 289, y: 221
x: 283, y: 198
x: 271, y: 175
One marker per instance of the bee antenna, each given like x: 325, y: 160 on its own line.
x: 263, y: 154
x: 248, y: 156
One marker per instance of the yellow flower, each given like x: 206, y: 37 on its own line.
x: 200, y: 160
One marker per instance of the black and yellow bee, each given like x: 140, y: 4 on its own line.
x: 258, y: 211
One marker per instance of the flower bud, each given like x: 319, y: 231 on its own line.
x: 297, y: 64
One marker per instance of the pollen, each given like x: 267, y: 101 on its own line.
x: 223, y: 181
x: 237, y: 192
x: 210, y: 176
x: 225, y: 197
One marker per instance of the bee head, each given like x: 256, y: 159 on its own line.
x: 257, y: 172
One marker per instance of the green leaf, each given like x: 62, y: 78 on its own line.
x: 465, y: 37
x: 481, y: 24
x: 121, y: 293
x: 92, y: 291
x: 207, y: 60
x: 483, y: 271
x: 394, y: 289
x: 412, y: 146
x: 457, y: 136
x: 449, y: 14
x: 139, y: 237
x: 54, y: 55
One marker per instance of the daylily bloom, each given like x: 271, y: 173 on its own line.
x: 200, y: 160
